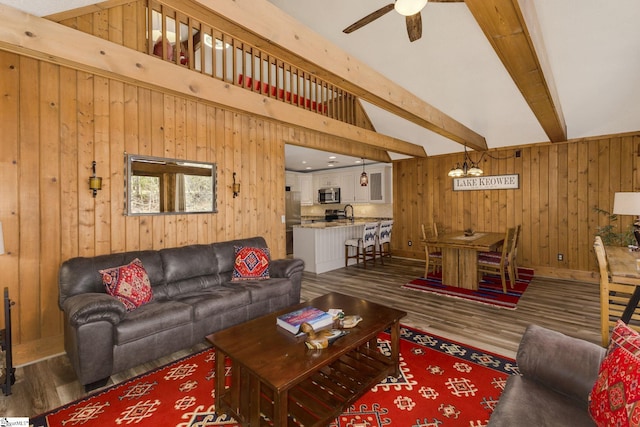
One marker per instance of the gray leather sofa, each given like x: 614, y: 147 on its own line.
x: 558, y: 372
x: 193, y: 296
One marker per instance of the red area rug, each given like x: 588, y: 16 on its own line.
x: 489, y: 289
x: 443, y: 383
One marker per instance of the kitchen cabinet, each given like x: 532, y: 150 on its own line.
x: 292, y: 181
x: 348, y: 180
x: 351, y: 190
x: 307, y: 195
x: 380, y: 185
x: 328, y: 179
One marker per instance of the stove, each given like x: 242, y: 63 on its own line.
x: 334, y: 214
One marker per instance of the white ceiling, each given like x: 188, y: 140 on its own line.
x: 593, y: 49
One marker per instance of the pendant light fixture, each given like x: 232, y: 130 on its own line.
x: 364, y: 179
x: 468, y: 168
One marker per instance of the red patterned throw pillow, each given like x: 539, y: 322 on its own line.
x: 129, y: 283
x: 251, y: 264
x: 615, y: 397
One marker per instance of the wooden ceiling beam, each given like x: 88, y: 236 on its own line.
x: 260, y: 23
x: 504, y: 25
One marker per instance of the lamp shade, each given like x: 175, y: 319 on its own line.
x: 626, y: 203
x: 409, y: 7
x: 1, y: 240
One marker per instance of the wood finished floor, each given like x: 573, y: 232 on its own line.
x: 566, y: 306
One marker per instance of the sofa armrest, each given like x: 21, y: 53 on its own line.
x: 565, y: 364
x: 93, y: 307
x: 285, y: 267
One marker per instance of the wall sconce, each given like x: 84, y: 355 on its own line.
x: 469, y: 167
x: 95, y: 182
x: 364, y: 179
x: 236, y: 186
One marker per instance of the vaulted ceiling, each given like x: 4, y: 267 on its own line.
x: 588, y: 51
x: 511, y: 72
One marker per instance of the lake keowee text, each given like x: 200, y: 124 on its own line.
x: 494, y: 182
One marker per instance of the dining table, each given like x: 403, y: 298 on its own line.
x: 460, y: 255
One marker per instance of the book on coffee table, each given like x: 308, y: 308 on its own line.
x: 317, y: 318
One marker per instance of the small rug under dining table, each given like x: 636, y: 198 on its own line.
x: 489, y: 289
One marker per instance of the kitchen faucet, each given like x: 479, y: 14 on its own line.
x: 345, y: 212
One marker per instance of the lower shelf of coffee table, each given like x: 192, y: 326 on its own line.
x: 326, y: 394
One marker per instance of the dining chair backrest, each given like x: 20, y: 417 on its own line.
x: 507, y: 245
x: 605, y: 285
x: 513, y: 250
x: 601, y: 256
x: 384, y: 231
x: 369, y: 234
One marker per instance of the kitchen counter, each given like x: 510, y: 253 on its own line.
x: 321, y: 244
x: 331, y: 224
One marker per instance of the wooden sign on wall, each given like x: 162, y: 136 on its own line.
x: 493, y: 182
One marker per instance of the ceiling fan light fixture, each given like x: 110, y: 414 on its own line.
x: 409, y: 7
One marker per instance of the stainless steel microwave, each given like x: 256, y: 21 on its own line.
x: 329, y: 195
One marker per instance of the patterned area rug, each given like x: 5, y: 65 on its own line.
x: 489, y: 289
x: 443, y: 383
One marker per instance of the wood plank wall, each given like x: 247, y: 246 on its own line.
x: 56, y: 121
x: 560, y: 184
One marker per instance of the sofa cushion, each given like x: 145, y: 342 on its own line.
x: 263, y: 290
x: 615, y: 398
x: 128, y: 283
x: 188, y: 261
x: 526, y: 402
x: 214, y: 301
x: 151, y: 319
x: 251, y: 263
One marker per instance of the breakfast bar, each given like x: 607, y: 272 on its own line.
x: 321, y: 244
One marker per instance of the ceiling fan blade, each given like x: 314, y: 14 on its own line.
x: 369, y: 18
x: 414, y: 26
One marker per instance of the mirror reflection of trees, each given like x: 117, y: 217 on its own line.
x: 157, y: 185
x: 145, y: 194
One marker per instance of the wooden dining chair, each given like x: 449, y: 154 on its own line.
x: 605, y: 285
x: 491, y: 265
x: 384, y: 239
x: 512, y: 259
x: 365, y: 246
x: 433, y: 257
x: 616, y: 299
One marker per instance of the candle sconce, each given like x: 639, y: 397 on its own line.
x: 95, y: 182
x: 236, y: 186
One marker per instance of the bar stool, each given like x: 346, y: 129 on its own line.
x: 384, y: 238
x: 365, y: 245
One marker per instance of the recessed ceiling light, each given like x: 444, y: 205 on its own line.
x: 332, y: 157
x: 358, y: 161
x: 304, y: 162
x: 308, y: 167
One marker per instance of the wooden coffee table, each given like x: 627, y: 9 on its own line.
x: 275, y: 377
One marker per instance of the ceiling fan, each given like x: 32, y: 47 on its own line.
x: 409, y: 8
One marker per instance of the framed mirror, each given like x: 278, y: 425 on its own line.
x: 160, y: 186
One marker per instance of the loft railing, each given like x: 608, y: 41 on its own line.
x: 190, y: 43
